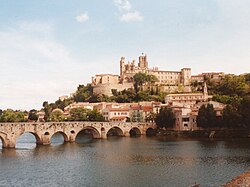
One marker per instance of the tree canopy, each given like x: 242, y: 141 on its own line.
x: 165, y: 118
x: 10, y: 115
x: 33, y: 115
x: 142, y: 78
x: 206, y: 116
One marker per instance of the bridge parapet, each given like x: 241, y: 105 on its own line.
x: 43, y: 131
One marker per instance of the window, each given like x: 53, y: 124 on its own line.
x: 185, y: 119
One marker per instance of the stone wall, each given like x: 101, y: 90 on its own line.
x: 106, y: 89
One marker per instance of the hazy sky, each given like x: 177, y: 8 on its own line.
x: 49, y: 47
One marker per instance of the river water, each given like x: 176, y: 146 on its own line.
x: 123, y: 161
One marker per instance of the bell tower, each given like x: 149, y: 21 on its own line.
x: 143, y: 63
x: 122, y: 66
x: 205, y: 93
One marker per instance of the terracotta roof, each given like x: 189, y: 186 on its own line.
x: 135, y: 107
x: 186, y: 94
x: 118, y: 109
x: 147, y: 108
x: 177, y: 107
x: 197, y: 75
x: 118, y: 117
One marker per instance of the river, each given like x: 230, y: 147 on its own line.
x: 123, y: 161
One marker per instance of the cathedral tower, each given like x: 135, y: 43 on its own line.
x: 143, y: 63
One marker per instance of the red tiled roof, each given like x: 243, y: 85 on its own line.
x: 118, y: 117
x: 135, y: 107
x: 147, y: 108
x: 117, y: 109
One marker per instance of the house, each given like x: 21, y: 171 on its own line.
x: 185, y: 116
x: 187, y: 99
x: 115, y: 114
x: 183, y: 119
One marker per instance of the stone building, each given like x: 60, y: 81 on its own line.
x: 104, y: 83
x: 139, y: 113
x: 168, y: 81
x: 214, y: 76
x: 117, y: 114
x: 187, y: 99
x: 185, y: 116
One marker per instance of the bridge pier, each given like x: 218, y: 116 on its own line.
x: 103, y: 135
x: 45, y: 140
x: 72, y: 138
x: 126, y: 134
x: 9, y: 144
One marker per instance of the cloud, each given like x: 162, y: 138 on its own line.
x: 132, y: 16
x: 34, y: 67
x: 82, y: 18
x: 127, y: 14
x: 123, y: 5
x: 35, y: 27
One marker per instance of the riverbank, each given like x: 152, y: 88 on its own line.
x: 242, y: 180
x: 208, y: 133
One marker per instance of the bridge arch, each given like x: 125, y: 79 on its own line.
x: 90, y: 130
x: 135, y: 131
x: 150, y: 131
x: 3, y: 136
x: 115, y: 131
x: 63, y: 134
x: 38, y: 139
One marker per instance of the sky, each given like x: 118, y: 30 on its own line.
x: 49, y: 47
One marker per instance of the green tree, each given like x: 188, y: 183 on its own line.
x: 94, y: 115
x: 165, y: 118
x: 232, y: 86
x: 142, y: 78
x: 79, y: 114
x: 139, y: 80
x: 143, y: 96
x: 56, y: 115
x: 48, y: 108
x: 33, y: 115
x: 227, y: 99
x: 151, y: 79
x: 125, y: 96
x: 63, y: 103
x: 83, y: 93
x: 206, y: 116
x: 245, y: 111
x: 10, y: 115
x: 231, y: 116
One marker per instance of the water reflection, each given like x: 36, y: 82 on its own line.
x: 58, y: 138
x: 121, y: 161
x: 1, y: 145
x: 26, y: 141
x: 85, y: 136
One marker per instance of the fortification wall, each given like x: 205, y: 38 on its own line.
x: 106, y: 89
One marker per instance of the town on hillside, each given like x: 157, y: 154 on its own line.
x: 140, y: 93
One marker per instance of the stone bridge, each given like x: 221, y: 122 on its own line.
x: 43, y: 131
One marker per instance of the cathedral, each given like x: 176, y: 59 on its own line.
x: 168, y: 81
